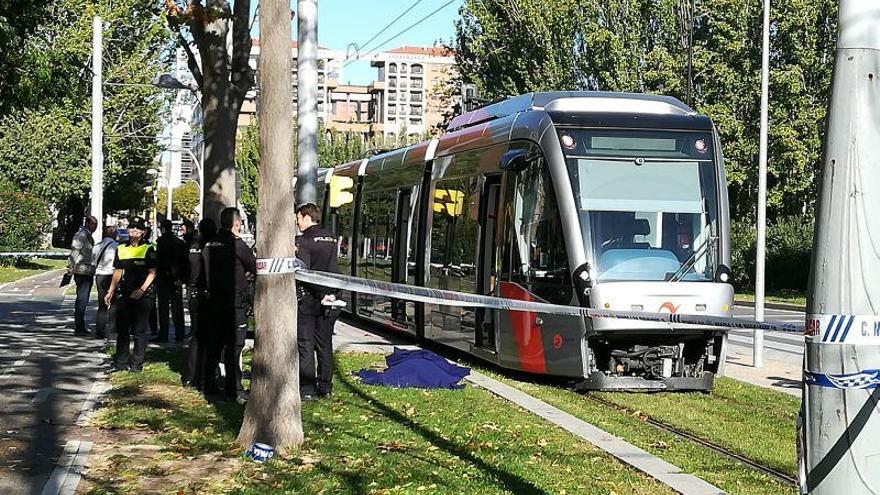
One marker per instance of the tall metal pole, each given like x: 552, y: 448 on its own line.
x: 758, y: 350
x: 840, y: 417
x: 307, y: 102
x: 170, y: 191
x: 97, y: 197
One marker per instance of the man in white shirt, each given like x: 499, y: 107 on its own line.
x: 105, y: 253
x: 79, y: 264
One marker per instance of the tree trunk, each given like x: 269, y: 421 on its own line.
x: 272, y: 415
x: 224, y: 79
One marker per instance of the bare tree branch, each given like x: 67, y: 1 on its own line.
x: 191, y: 61
x: 242, y: 76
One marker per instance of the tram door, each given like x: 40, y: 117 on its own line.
x: 402, y: 252
x: 488, y: 275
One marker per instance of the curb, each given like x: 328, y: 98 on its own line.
x: 773, y: 305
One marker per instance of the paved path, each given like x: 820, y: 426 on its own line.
x: 783, y: 353
x: 46, y: 376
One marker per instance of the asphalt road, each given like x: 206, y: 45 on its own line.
x: 46, y: 375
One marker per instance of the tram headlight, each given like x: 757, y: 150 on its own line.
x: 723, y: 275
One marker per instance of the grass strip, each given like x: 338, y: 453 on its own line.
x: 735, y: 416
x: 787, y: 297
x: 28, y: 267
x: 366, y: 439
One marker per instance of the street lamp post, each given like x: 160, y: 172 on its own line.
x: 152, y: 172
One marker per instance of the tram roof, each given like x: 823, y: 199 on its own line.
x: 605, y: 108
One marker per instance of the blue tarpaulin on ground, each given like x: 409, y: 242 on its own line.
x: 417, y: 368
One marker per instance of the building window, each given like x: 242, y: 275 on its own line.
x: 402, y: 83
x: 416, y: 97
x: 392, y: 82
x: 402, y: 110
x: 417, y: 69
x: 417, y: 83
x: 415, y: 110
x: 392, y: 68
x: 392, y: 109
x: 392, y: 95
x: 415, y: 121
x: 403, y: 68
x: 392, y: 120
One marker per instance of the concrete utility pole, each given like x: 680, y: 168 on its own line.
x: 840, y: 423
x: 760, y: 255
x: 307, y: 102
x: 97, y: 199
x: 273, y: 411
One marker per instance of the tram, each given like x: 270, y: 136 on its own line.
x: 604, y: 200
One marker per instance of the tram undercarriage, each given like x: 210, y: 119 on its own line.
x: 653, y: 362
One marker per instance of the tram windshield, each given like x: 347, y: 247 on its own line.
x: 647, y: 202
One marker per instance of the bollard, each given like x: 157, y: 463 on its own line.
x: 839, y: 426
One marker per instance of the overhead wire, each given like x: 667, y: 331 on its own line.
x: 366, y: 43
x: 389, y: 40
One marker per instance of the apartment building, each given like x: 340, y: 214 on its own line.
x: 329, y: 74
x: 410, y: 88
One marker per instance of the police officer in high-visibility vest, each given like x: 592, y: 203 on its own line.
x: 131, y: 290
x: 316, y: 247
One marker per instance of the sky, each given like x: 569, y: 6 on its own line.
x: 343, y: 22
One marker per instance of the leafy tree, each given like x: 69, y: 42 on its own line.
x: 510, y: 47
x: 23, y: 219
x: 45, y: 140
x: 18, y: 21
x: 223, y: 77
x: 184, y: 200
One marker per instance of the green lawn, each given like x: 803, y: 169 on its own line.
x: 797, y: 298
x: 366, y: 439
x: 29, y: 267
x: 749, y: 420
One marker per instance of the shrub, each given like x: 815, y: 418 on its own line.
x: 787, y: 266
x: 24, y: 219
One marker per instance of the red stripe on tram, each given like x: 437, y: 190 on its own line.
x: 526, y: 334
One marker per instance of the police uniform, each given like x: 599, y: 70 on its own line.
x: 316, y: 247
x: 197, y: 352
x: 227, y: 260
x: 133, y: 315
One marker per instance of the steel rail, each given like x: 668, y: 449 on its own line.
x: 714, y: 447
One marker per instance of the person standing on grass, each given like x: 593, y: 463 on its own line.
x: 316, y: 247
x: 173, y: 265
x: 229, y: 266
x: 194, y: 372
x: 79, y: 264
x: 135, y: 271
x: 105, y: 254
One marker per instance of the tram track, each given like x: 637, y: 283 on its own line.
x: 690, y: 437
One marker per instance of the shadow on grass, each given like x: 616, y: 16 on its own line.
x: 506, y: 480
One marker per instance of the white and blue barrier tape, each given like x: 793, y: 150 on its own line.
x: 451, y: 298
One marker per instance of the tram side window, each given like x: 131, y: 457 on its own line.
x: 340, y: 221
x: 377, y: 234
x: 454, y: 228
x: 538, y: 256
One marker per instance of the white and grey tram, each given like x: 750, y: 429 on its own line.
x: 603, y: 200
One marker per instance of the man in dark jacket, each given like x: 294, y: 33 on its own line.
x: 172, y: 271
x: 194, y: 372
x: 229, y: 265
x: 316, y: 247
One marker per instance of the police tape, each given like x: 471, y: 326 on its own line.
x: 450, y: 298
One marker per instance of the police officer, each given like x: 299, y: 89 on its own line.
x: 172, y: 273
x: 131, y: 290
x: 229, y: 264
x: 316, y: 247
x: 196, y: 356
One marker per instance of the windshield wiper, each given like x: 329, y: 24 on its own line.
x: 696, y: 256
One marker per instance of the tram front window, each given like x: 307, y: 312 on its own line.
x: 647, y: 203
